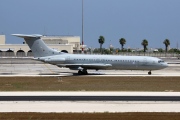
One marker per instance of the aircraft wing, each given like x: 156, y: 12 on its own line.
x: 87, y: 66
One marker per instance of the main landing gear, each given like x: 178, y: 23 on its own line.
x: 149, y: 73
x: 82, y: 72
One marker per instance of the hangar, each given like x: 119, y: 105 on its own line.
x: 70, y: 44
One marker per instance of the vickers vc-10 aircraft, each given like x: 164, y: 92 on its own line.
x: 82, y: 62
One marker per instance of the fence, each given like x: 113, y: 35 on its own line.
x: 30, y: 54
x: 13, y: 54
x: 149, y: 54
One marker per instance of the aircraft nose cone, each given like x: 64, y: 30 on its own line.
x: 165, y: 65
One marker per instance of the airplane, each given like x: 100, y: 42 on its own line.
x: 83, y: 62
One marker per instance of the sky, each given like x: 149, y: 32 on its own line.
x: 134, y: 20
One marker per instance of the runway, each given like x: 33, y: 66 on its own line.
x: 83, y: 101
x: 27, y: 67
x: 89, y: 96
x: 93, y: 105
x: 8, y: 70
x: 10, y: 67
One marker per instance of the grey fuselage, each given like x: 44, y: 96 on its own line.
x: 117, y: 62
x: 82, y: 61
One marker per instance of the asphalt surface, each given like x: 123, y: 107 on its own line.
x: 27, y: 67
x: 89, y: 98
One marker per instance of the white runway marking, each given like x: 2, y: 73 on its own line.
x: 89, y: 106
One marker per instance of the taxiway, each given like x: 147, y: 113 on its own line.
x: 29, y: 67
x: 51, y: 70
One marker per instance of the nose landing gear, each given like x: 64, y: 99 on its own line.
x: 149, y: 73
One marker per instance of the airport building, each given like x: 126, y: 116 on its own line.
x: 70, y: 44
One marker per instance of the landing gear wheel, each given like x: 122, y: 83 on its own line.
x: 149, y: 73
x: 85, y: 72
x: 80, y: 72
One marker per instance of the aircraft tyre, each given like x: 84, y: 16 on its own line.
x: 84, y: 72
x: 149, y: 73
x: 80, y: 72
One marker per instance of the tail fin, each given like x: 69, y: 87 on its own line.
x: 37, y: 45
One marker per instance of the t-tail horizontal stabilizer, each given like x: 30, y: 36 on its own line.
x: 37, y: 45
x: 28, y: 36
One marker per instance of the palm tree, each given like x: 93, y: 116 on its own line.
x: 122, y: 41
x: 144, y: 44
x: 101, y: 42
x: 167, y: 43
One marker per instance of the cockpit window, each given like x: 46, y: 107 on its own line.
x: 160, y: 61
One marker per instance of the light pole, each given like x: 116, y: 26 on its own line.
x: 82, y: 29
